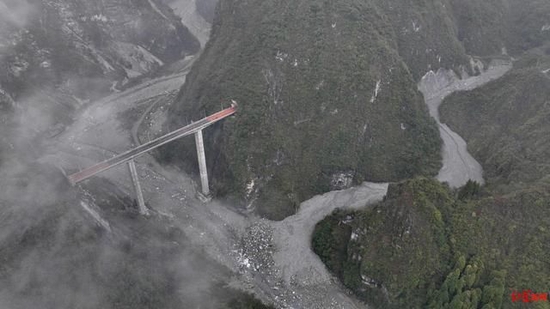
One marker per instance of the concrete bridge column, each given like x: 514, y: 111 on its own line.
x: 141, y: 202
x: 202, y: 164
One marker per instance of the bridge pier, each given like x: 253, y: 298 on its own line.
x: 128, y: 156
x: 202, y: 165
x: 141, y: 202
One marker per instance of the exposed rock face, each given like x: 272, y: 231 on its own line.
x: 6, y: 102
x: 342, y: 180
x: 500, y: 26
x: 84, y: 46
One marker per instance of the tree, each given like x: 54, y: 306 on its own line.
x: 469, y: 190
x: 493, y: 293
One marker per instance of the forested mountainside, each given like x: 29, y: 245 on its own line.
x: 429, y: 246
x: 83, y: 48
x: 327, y: 90
x: 506, y: 122
x: 81, y: 44
x: 56, y: 55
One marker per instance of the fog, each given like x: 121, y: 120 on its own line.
x: 53, y: 253
x: 15, y: 12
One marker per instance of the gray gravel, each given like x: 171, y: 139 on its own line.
x: 458, y: 164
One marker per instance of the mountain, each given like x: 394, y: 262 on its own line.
x: 430, y: 246
x: 86, y: 46
x: 327, y: 91
x: 57, y: 55
x: 427, y: 246
x: 434, y: 247
x: 494, y: 26
x: 324, y: 97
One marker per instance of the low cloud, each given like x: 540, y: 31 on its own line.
x: 15, y: 12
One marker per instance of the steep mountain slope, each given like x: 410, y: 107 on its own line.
x: 325, y: 95
x: 82, y: 44
x: 57, y: 55
x: 495, y: 26
x: 327, y: 90
x: 506, y: 122
x: 431, y: 247
x: 197, y: 21
x: 207, y: 9
x: 428, y: 247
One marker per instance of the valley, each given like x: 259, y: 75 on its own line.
x: 361, y: 170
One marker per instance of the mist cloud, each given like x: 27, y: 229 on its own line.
x: 15, y: 12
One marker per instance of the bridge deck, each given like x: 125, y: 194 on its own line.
x: 135, y: 152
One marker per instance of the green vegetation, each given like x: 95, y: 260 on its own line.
x: 399, y: 244
x: 506, y: 123
x: 433, y: 247
x: 305, y: 73
x: 331, y: 243
x: 461, y: 288
x: 425, y: 247
x: 469, y: 190
x: 485, y: 27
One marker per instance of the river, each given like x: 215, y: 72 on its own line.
x: 272, y: 259
x: 459, y: 165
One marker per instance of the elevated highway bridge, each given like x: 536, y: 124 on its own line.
x: 129, y: 156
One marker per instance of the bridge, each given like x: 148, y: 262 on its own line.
x: 129, y: 156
